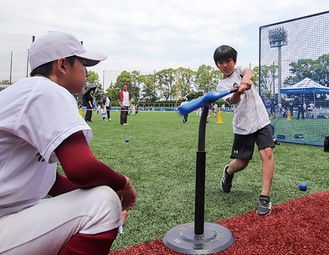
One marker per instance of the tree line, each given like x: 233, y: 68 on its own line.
x: 316, y: 70
x: 173, y: 84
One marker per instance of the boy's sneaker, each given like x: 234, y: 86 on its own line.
x: 265, y: 205
x: 226, y: 183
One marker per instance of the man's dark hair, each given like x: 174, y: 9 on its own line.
x: 46, y: 68
x: 224, y: 53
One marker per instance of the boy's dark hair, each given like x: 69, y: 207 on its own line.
x: 46, y: 68
x: 224, y: 53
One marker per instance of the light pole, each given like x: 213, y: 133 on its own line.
x: 277, y: 38
x: 11, y: 67
x: 27, y: 63
x: 103, y: 80
x: 28, y: 58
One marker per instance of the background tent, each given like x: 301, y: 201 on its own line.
x: 304, y: 87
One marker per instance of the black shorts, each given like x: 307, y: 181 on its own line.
x: 243, y: 145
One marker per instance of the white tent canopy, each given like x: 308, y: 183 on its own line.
x: 305, y: 86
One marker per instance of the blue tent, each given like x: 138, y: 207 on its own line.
x: 305, y: 86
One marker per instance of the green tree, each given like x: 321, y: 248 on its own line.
x: 206, y: 78
x: 267, y: 79
x: 124, y: 78
x: 165, y: 82
x: 301, y: 69
x: 317, y: 70
x: 5, y: 82
x: 194, y: 94
x: 113, y: 95
x: 149, y: 92
x: 135, y: 84
x: 132, y: 80
x: 255, y: 78
x: 185, y: 80
x: 321, y: 69
x: 92, y: 80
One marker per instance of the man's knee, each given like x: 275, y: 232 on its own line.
x: 104, y: 207
x: 104, y: 196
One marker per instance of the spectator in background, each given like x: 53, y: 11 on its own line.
x: 106, y: 101
x: 124, y: 103
x: 185, y: 117
x: 198, y: 112
x: 103, y: 111
x: 215, y: 109
x: 222, y: 107
x: 89, y: 103
x: 300, y: 106
x: 267, y: 103
x: 133, y: 105
x: 291, y: 108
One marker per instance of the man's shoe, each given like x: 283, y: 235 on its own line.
x: 226, y: 183
x: 265, y: 205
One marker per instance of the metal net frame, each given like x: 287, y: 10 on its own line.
x: 290, y: 52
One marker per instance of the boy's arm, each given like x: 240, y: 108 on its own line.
x: 245, y: 84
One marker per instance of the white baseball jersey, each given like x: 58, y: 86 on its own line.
x: 36, y: 116
x: 250, y: 113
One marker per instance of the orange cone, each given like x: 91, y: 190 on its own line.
x: 219, y: 117
x: 288, y: 115
x: 80, y: 111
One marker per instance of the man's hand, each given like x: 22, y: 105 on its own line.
x: 127, y: 195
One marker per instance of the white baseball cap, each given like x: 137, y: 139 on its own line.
x: 55, y: 45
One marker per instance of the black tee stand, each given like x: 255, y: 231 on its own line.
x: 199, y: 237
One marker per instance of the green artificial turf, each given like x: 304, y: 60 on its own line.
x: 160, y: 159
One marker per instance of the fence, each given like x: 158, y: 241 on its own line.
x: 289, y: 52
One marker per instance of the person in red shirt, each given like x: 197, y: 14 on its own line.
x: 124, y: 103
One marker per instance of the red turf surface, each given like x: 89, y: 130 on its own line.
x: 299, y: 226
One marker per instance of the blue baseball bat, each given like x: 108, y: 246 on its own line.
x: 207, y: 99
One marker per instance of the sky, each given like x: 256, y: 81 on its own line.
x: 144, y: 35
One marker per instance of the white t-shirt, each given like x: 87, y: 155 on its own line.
x: 250, y: 113
x: 36, y: 116
x: 107, y: 102
x: 125, y: 98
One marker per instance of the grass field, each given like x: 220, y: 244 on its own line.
x: 313, y: 131
x: 160, y: 159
